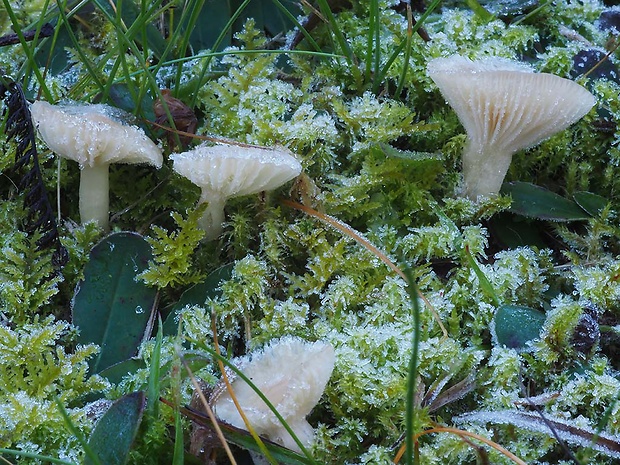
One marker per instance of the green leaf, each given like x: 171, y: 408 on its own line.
x: 537, y: 202
x: 479, y: 10
x: 111, y: 306
x: 593, y: 204
x: 116, y: 372
x: 516, y: 231
x: 197, y: 295
x: 516, y: 325
x: 112, y: 438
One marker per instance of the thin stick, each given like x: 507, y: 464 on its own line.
x: 357, y: 236
x: 46, y: 30
x: 462, y: 433
x: 210, y: 413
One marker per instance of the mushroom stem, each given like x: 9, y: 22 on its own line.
x: 484, y: 171
x: 94, y: 194
x: 213, y: 217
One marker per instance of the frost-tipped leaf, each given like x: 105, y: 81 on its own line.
x: 581, y: 436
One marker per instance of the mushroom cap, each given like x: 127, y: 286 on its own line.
x: 504, y: 105
x: 93, y: 135
x: 230, y: 170
x: 292, y: 374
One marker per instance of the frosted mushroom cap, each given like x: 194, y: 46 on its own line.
x: 92, y: 135
x: 292, y: 374
x: 506, y: 106
x: 231, y: 170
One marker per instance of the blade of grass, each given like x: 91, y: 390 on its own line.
x: 84, y: 61
x: 342, y: 42
x: 153, y: 388
x: 90, y: 453
x: 178, y: 457
x: 297, y: 24
x: 372, y: 40
x: 28, y: 51
x: 412, y: 373
x: 479, y: 10
x: 31, y: 455
x: 194, y: 13
x: 418, y: 24
x: 403, y: 74
x: 217, y: 43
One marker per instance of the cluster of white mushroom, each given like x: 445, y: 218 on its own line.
x: 504, y: 107
x: 96, y: 136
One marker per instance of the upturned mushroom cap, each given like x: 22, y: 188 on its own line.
x: 229, y: 170
x: 223, y: 171
x: 92, y: 135
x: 292, y: 374
x: 504, y: 106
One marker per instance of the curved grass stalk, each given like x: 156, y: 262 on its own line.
x: 352, y: 233
x: 209, y: 411
x: 216, y: 45
x: 462, y: 434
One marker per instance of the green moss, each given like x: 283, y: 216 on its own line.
x: 389, y: 166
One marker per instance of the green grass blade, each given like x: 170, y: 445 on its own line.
x: 418, y: 24
x: 217, y: 43
x: 479, y: 10
x: 153, y: 389
x: 291, y: 17
x: 90, y: 453
x: 28, y: 51
x: 341, y: 40
x: 373, y: 29
x: 412, y: 373
x: 30, y: 455
x: 403, y: 74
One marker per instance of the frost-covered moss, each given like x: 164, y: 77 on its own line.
x: 386, y: 164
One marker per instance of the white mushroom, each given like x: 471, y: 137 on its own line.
x: 223, y: 171
x: 504, y: 107
x: 94, y: 136
x: 292, y: 374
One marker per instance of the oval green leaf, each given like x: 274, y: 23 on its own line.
x: 515, y: 325
x: 537, y: 202
x: 197, y: 295
x: 111, y: 307
x: 114, y: 434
